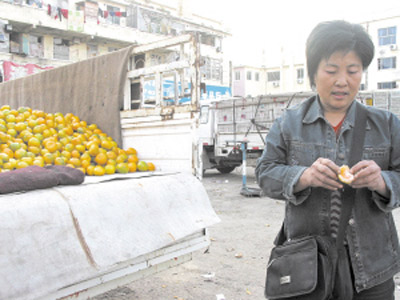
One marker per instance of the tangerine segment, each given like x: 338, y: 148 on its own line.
x: 344, y: 174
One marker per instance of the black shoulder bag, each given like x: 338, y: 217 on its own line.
x: 316, y: 267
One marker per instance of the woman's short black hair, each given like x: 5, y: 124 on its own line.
x: 332, y: 36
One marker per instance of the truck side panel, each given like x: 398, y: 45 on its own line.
x: 169, y: 144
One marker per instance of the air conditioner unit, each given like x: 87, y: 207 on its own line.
x: 300, y: 80
x: 275, y: 83
x: 393, y: 47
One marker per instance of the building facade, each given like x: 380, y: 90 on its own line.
x: 384, y: 72
x: 289, y: 72
x: 39, y: 34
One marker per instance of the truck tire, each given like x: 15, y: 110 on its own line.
x: 225, y: 170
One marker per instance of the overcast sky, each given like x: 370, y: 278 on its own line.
x: 267, y: 25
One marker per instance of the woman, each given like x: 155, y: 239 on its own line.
x: 308, y: 144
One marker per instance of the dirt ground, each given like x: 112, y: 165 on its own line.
x: 233, y: 267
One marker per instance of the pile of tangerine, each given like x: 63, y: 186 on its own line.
x: 33, y: 137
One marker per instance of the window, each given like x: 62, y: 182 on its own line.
x: 257, y: 76
x: 36, y: 46
x: 387, y: 36
x: 92, y: 50
x: 387, y: 85
x: 207, y: 40
x: 34, y: 3
x: 273, y: 76
x: 300, y: 73
x: 387, y: 63
x: 112, y: 49
x: 211, y: 69
x: 204, y: 114
x: 61, y: 49
x: 237, y: 75
x: 112, y: 17
x: 248, y: 75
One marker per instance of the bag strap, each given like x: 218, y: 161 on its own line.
x: 356, y: 150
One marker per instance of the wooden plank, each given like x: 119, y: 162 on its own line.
x: 170, y: 67
x: 174, y: 41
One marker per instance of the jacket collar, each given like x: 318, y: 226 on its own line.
x: 316, y: 111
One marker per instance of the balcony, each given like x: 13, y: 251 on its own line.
x: 35, y: 20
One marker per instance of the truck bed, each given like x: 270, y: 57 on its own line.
x: 79, y: 241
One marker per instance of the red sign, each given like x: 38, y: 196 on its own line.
x: 13, y: 70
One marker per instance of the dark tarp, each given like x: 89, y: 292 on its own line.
x: 91, y: 89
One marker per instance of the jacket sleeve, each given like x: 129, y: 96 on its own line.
x: 273, y: 173
x: 392, y: 175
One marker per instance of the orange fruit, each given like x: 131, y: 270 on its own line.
x: 20, y: 153
x: 15, y: 146
x: 48, y: 158
x: 92, y: 127
x: 28, y: 160
x: 86, y: 156
x: 93, y: 150
x: 131, y: 151
x: 38, y: 162
x: 75, y: 162
x: 20, y: 126
x: 133, y: 158
x: 121, y: 158
x: 12, y: 132
x: 109, y: 169
x: 34, y: 141
x: 13, y: 162
x: 142, y: 166
x: 344, y: 174
x: 99, y: 171
x: 132, y: 167
x: 8, y: 166
x: 75, y: 153
x: 122, y: 168
x: 111, y: 162
x: 4, y: 157
x: 69, y: 147
x: 33, y: 149
x: 90, y: 170
x: 21, y: 164
x: 51, y: 146
x: 80, y: 148
x: 106, y: 144
x: 60, y: 161
x: 10, y: 118
x: 101, y: 159
x: 111, y: 155
x: 9, y: 152
x: 85, y: 163
x: 76, y: 141
x: 32, y: 123
x: 66, y: 154
x: 151, y: 166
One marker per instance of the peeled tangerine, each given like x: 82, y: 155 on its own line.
x: 344, y: 175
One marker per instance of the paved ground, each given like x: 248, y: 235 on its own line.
x: 233, y: 268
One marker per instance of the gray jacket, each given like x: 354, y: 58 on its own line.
x: 301, y: 136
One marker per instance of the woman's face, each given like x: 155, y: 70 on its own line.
x: 338, y: 79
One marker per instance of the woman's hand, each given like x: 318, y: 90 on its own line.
x: 322, y: 173
x: 368, y: 174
